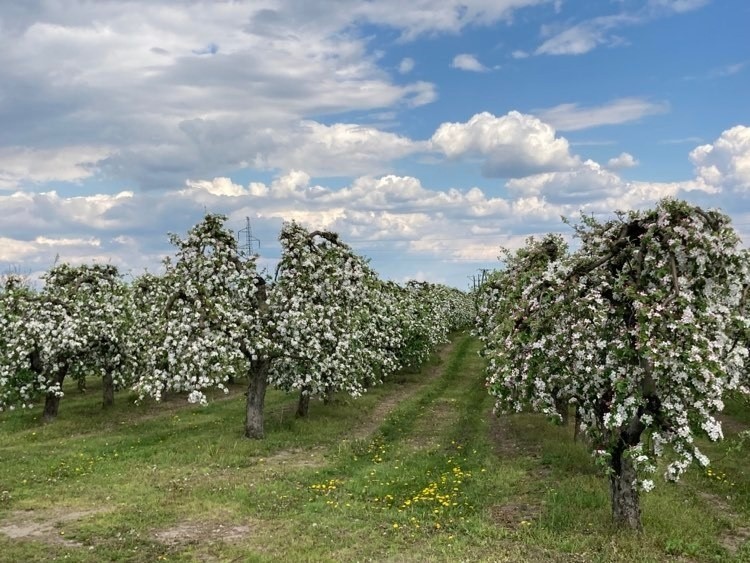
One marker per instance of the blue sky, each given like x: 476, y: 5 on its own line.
x: 429, y: 133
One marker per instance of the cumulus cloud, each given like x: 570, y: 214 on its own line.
x: 383, y: 216
x: 511, y: 145
x: 725, y: 163
x: 592, y: 188
x: 624, y: 160
x: 588, y: 182
x: 573, y: 117
x: 341, y: 149
x: 160, y: 91
x: 219, y: 186
x: 156, y: 91
x: 468, y: 62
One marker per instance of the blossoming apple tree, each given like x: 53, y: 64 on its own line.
x: 499, y: 317
x: 325, y: 324
x: 74, y: 327
x: 330, y: 323
x: 638, y: 328
x: 200, y: 322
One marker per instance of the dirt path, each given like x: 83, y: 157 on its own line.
x: 299, y: 458
x: 526, y: 506
x: 389, y: 403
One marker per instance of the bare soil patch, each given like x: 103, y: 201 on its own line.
x: 739, y: 534
x: 515, y: 514
x: 522, y: 510
x: 504, y: 440
x: 42, y: 525
x: 208, y: 532
x: 294, y: 459
x: 193, y: 531
x: 427, y: 430
x: 731, y: 425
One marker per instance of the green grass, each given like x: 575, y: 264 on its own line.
x: 432, y: 477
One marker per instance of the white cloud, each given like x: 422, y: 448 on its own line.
x: 123, y: 80
x: 624, y: 160
x: 468, y: 62
x: 13, y: 251
x: 383, y: 217
x: 46, y: 241
x: 19, y: 165
x: 512, y: 145
x: 677, y: 6
x: 341, y: 149
x: 406, y: 65
x: 730, y: 69
x: 592, y: 188
x: 723, y: 71
x: 585, y: 36
x: 588, y: 182
x: 221, y: 187
x: 421, y: 17
x: 682, y: 140
x: 519, y: 54
x: 573, y: 117
x: 725, y: 163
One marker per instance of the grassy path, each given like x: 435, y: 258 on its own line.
x: 416, y: 470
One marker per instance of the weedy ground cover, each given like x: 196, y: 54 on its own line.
x: 415, y: 470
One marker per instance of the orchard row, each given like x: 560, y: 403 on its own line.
x: 323, y: 323
x: 642, y: 331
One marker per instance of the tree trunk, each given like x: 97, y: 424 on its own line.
x: 328, y: 398
x: 626, y: 509
x: 562, y: 406
x: 577, y: 428
x: 82, y: 385
x: 108, y: 390
x: 52, y: 401
x: 256, y: 398
x: 304, y: 403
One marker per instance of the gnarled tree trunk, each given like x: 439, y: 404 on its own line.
x: 52, y: 401
x: 303, y: 406
x: 623, y: 487
x: 256, y: 398
x: 562, y: 406
x: 108, y: 390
